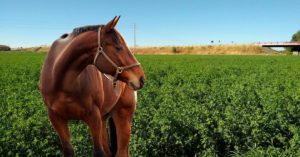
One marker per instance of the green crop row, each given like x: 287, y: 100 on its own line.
x: 218, y: 106
x: 191, y: 106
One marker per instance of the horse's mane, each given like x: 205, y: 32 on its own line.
x: 79, y: 30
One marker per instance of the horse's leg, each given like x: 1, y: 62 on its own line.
x: 105, y: 139
x: 122, y: 116
x: 61, y: 127
x: 94, y: 122
x: 112, y: 136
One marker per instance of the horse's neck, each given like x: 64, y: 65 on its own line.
x: 70, y: 64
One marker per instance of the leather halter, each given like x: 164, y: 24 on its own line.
x: 119, y: 69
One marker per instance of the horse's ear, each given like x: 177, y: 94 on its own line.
x: 111, y: 24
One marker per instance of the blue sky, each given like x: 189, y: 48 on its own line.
x: 159, y: 22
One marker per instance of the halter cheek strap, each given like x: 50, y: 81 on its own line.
x: 119, y: 69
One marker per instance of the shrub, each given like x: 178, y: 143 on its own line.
x: 4, y: 48
x: 175, y: 49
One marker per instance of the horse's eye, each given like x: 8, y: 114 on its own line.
x: 119, y: 48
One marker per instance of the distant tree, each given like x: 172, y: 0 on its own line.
x: 4, y: 48
x: 295, y: 37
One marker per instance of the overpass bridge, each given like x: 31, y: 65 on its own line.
x: 279, y: 44
x: 295, y: 46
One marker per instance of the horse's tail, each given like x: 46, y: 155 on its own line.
x: 112, y: 136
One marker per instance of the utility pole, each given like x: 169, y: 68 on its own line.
x: 134, y: 36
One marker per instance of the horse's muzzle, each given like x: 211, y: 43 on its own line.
x: 138, y: 84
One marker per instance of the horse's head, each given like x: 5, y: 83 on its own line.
x: 115, y: 58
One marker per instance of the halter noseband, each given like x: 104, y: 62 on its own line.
x: 119, y: 69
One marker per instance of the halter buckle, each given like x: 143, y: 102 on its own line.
x: 100, y: 49
x: 114, y: 83
x: 120, y: 70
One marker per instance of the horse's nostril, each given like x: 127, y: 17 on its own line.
x: 142, y: 81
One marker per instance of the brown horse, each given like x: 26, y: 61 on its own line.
x: 74, y: 85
